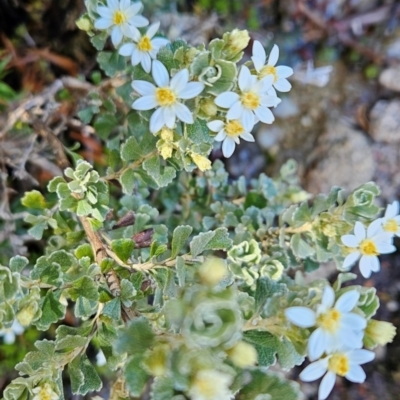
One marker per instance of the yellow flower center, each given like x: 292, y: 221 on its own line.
x: 165, y: 97
x: 391, y: 226
x: 339, y: 364
x: 250, y: 100
x: 205, y: 387
x: 119, y: 18
x: 144, y: 44
x: 329, y: 321
x: 368, y: 248
x: 268, y: 70
x: 234, y: 128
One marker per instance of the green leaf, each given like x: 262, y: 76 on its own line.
x: 136, y: 338
x: 84, y: 307
x: 212, y: 240
x: 84, y: 250
x: 161, y: 175
x: 128, y: 292
x: 111, y: 63
x: 260, y: 385
x: 84, y: 377
x: 84, y: 287
x: 99, y: 40
x: 302, y: 215
x: 130, y: 150
x: 198, y: 132
x: 34, y: 199
x: 135, y: 376
x: 52, y: 311
x: 104, y: 124
x: 84, y: 208
x: 266, y: 289
x: 71, y: 342
x: 113, y: 309
x: 162, y: 388
x: 128, y: 181
x: 123, y: 248
x: 181, y: 271
x: 18, y: 263
x: 300, y: 247
x: 179, y: 238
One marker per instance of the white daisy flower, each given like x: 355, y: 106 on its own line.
x: 165, y: 98
x: 145, y: 47
x: 9, y: 334
x: 367, y: 244
x: 252, y: 102
x: 391, y: 220
x: 335, y: 323
x: 279, y: 73
x: 121, y: 16
x: 343, y: 363
x: 229, y: 133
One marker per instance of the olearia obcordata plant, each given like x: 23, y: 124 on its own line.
x: 188, y: 284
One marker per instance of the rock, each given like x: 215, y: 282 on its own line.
x: 269, y: 136
x: 390, y: 79
x: 385, y: 121
x: 286, y: 109
x: 344, y: 159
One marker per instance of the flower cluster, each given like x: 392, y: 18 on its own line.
x: 367, y: 244
x: 334, y: 347
x: 239, y: 100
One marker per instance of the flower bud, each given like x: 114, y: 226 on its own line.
x: 208, y: 107
x: 378, y: 333
x: 243, y: 355
x: 210, y: 385
x: 237, y: 42
x: 212, y: 271
x: 167, y: 134
x: 203, y: 163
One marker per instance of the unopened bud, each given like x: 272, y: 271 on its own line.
x: 243, y: 355
x: 212, y: 271
x: 203, y: 163
x: 237, y: 41
x: 26, y: 315
x: 378, y: 333
x: 143, y: 239
x: 209, y: 107
x: 167, y: 134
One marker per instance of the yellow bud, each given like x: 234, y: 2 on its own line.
x: 25, y: 316
x: 238, y: 41
x: 156, y: 360
x: 85, y: 23
x: 212, y: 271
x: 167, y: 134
x: 209, y: 107
x: 378, y: 333
x: 243, y: 355
x: 202, y: 162
x: 298, y: 197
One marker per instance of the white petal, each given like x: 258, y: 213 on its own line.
x: 269, y: 101
x: 228, y: 147
x: 221, y: 136
x: 179, y: 81
x: 359, y: 231
x: 144, y: 88
x: 349, y: 240
x: 374, y: 228
x: 351, y: 259
x: 328, y: 297
x: 247, y: 136
x: 192, y: 89
x: 259, y: 52
x: 116, y: 36
x: 103, y: 23
x: 126, y: 30
x: 385, y: 248
x: 244, y: 79
x: 146, y: 63
x: 265, y: 115
x: 303, y: 317
x: 236, y: 111
x: 152, y: 29
x: 282, y: 85
x: 283, y: 71
x: 160, y: 74
x: 169, y: 116
x: 133, y: 9
x: 247, y: 119
x: 145, y: 103
x: 375, y: 264
x: 317, y: 344
x: 353, y: 321
x: 124, y: 4
x: 326, y: 386
x: 361, y: 356
x: 355, y: 374
x: 9, y: 337
x: 314, y: 371
x: 159, y: 42
x: 392, y: 210
x: 216, y: 125
x: 156, y: 121
x: 273, y: 56
x: 347, y: 301
x: 226, y: 99
x: 104, y: 12
x: 366, y: 265
x: 138, y: 21
x: 113, y: 5
x: 267, y: 82
x: 17, y: 328
x: 127, y: 49
x: 183, y: 113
